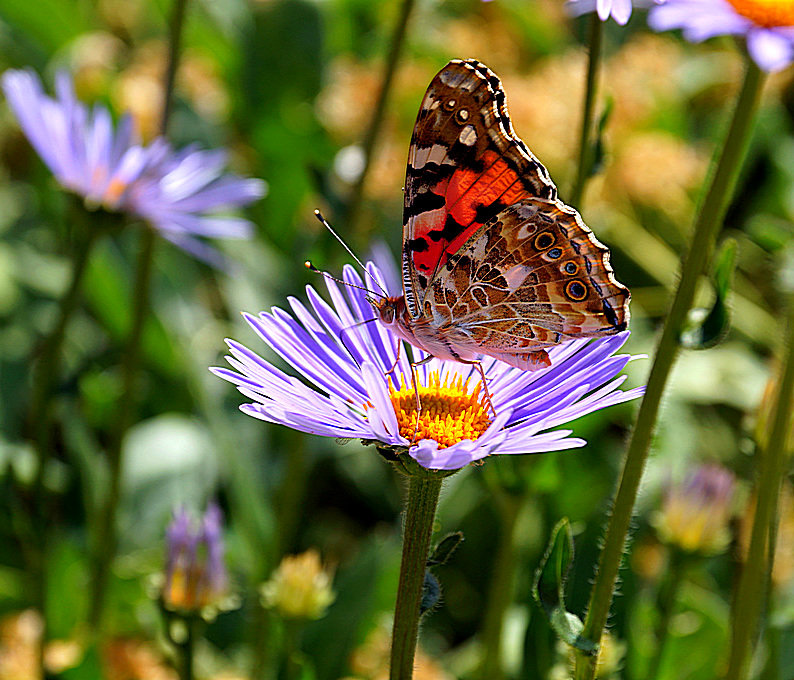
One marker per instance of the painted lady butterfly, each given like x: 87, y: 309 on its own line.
x: 493, y: 263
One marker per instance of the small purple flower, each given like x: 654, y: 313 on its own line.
x: 177, y: 192
x: 768, y: 25
x: 195, y: 572
x: 619, y: 10
x: 696, y: 511
x: 353, y: 385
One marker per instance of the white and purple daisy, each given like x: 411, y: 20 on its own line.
x: 768, y: 25
x: 619, y: 10
x: 352, y: 385
x: 177, y: 192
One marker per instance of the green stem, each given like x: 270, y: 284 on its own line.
x: 105, y: 539
x: 500, y: 589
x: 106, y: 533
x: 46, y: 361
x: 707, y: 225
x: 586, y: 148
x: 420, y: 510
x: 376, y: 122
x: 772, y: 464
x: 188, y: 648
x: 667, y: 599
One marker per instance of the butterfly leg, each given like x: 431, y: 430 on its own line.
x: 415, y: 375
x: 478, y: 364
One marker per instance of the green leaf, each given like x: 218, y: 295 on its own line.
x: 707, y: 329
x: 548, y: 588
x: 448, y: 545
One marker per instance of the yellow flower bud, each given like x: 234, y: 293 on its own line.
x: 300, y: 588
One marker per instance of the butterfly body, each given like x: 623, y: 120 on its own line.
x: 493, y: 262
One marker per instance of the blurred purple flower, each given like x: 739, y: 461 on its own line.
x: 696, y: 512
x: 619, y: 10
x: 768, y: 25
x: 177, y: 192
x: 195, y: 572
x: 349, y: 368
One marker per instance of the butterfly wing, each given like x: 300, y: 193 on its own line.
x: 531, y: 277
x: 465, y: 165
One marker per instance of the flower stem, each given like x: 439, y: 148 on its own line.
x: 585, y: 166
x: 376, y: 122
x: 773, y: 460
x: 667, y: 599
x: 420, y: 510
x: 187, y: 648
x: 707, y: 225
x: 46, y: 361
x: 105, y: 546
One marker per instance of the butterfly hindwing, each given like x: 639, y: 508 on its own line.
x: 465, y: 165
x: 531, y: 277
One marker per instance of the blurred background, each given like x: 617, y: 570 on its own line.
x: 289, y: 88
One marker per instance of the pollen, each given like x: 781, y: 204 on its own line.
x: 114, y: 190
x: 767, y: 13
x: 450, y: 412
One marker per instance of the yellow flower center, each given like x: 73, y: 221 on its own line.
x: 766, y: 13
x: 113, y: 192
x: 449, y: 412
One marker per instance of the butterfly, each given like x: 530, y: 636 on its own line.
x: 493, y: 263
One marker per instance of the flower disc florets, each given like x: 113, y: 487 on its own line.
x: 449, y: 411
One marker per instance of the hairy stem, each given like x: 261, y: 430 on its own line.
x: 709, y: 220
x: 420, y: 510
x: 773, y: 459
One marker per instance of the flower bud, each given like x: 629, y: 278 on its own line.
x: 696, y: 513
x: 195, y: 572
x: 300, y: 588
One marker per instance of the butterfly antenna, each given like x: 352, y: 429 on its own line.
x: 369, y: 292
x: 324, y: 222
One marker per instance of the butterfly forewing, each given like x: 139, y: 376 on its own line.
x: 465, y: 165
x: 493, y: 262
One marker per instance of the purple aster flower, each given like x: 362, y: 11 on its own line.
x: 352, y: 385
x: 619, y: 10
x: 177, y: 192
x: 195, y: 572
x: 768, y: 25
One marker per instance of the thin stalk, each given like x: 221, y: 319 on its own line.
x: 420, y: 510
x: 667, y: 600
x: 773, y: 461
x: 500, y: 589
x: 188, y: 648
x: 586, y: 148
x: 106, y: 532
x: 376, y: 122
x: 707, y: 225
x: 46, y: 362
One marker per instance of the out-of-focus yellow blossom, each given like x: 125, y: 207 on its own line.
x: 139, y: 88
x: 300, y: 588
x: 370, y: 661
x: 696, y: 513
